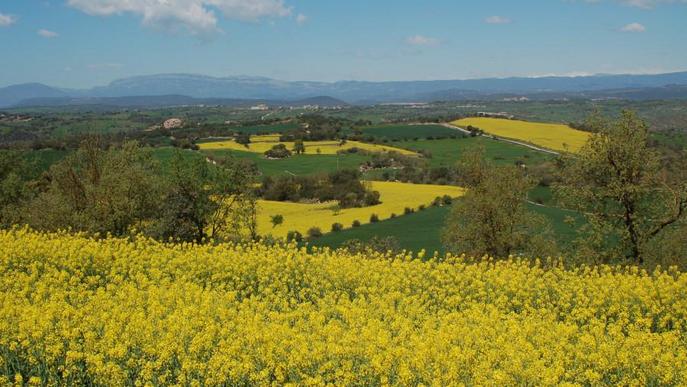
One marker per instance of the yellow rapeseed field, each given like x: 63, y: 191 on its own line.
x: 395, y: 198
x: 76, y: 311
x: 263, y: 143
x: 552, y: 136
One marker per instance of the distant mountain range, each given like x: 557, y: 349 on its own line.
x: 153, y: 101
x: 183, y: 89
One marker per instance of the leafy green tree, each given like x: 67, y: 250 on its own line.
x: 98, y: 190
x: 298, y: 147
x: 492, y: 218
x: 276, y: 220
x: 629, y: 199
x: 207, y: 201
x: 278, y: 151
x: 243, y: 139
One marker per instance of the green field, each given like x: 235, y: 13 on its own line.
x: 564, y: 232
x: 165, y: 155
x: 297, y: 164
x: 41, y: 160
x: 449, y: 151
x: 542, y: 195
x: 409, y: 132
x: 268, y: 129
x: 422, y: 229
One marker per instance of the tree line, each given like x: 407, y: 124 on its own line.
x: 121, y: 190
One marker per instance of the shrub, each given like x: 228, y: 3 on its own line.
x: 392, y: 215
x: 408, y: 210
x: 356, y: 223
x: 337, y: 227
x: 447, y: 200
x: 314, y: 232
x: 276, y: 220
x: 422, y: 207
x: 437, y: 201
x: 371, y: 198
x: 294, y: 236
x: 374, y: 218
x: 278, y: 151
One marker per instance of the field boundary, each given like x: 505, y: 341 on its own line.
x: 516, y: 142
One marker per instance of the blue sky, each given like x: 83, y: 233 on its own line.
x: 83, y: 43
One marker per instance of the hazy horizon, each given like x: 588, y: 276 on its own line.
x: 230, y: 76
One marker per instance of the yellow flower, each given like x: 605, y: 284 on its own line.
x: 75, y: 311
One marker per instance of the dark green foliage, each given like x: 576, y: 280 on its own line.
x: 97, y: 190
x: 401, y: 131
x: 203, y: 201
x: 492, y: 218
x: 121, y: 190
x: 634, y: 205
x: 278, y: 151
x: 337, y: 227
x: 374, y: 218
x: 343, y: 186
x: 294, y: 236
x: 243, y: 139
x: 314, y: 232
x: 14, y: 190
x: 298, y: 147
x: 276, y: 220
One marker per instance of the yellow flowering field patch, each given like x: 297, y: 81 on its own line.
x: 553, y: 136
x: 263, y: 143
x: 78, y: 311
x: 395, y: 198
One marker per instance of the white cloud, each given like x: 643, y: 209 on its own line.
x: 649, y: 4
x: 195, y: 16
x: 644, y: 4
x: 301, y: 19
x: 7, y: 20
x: 47, y: 33
x: 497, y: 20
x: 419, y: 40
x: 633, y: 27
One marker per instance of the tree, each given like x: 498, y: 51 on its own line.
x: 208, y: 201
x: 492, y: 218
x: 628, y: 198
x: 243, y: 139
x: 298, y: 147
x: 278, y: 151
x: 98, y: 190
x: 276, y: 220
x: 14, y: 191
